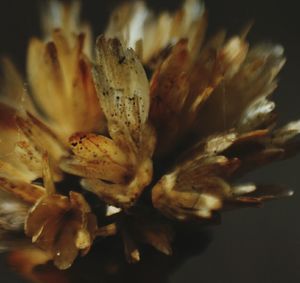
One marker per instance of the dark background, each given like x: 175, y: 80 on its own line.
x: 251, y: 245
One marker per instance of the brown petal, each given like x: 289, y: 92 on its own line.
x: 65, y: 250
x: 48, y: 207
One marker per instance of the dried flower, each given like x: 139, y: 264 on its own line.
x: 62, y: 226
x: 93, y: 146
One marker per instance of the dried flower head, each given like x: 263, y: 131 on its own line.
x: 93, y: 146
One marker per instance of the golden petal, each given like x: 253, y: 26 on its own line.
x: 43, y: 140
x: 10, y: 172
x: 48, y: 175
x: 65, y: 76
x: 95, y: 147
x: 45, y: 77
x: 123, y: 90
x: 10, y: 137
x: 27, y: 153
x: 101, y: 169
x: 122, y: 195
x: 12, y: 90
x: 22, y: 190
x: 87, y: 113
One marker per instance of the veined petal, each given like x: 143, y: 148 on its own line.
x: 123, y: 90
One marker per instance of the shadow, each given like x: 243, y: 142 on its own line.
x: 106, y: 262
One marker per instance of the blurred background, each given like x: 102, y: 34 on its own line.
x: 251, y: 245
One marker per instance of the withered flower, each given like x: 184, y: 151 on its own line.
x: 92, y: 146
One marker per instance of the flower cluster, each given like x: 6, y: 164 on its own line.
x: 94, y: 145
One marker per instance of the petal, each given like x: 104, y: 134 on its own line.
x: 101, y: 169
x: 22, y: 190
x: 92, y: 147
x: 123, y: 90
x: 48, y: 207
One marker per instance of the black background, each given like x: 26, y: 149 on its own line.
x: 251, y: 245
